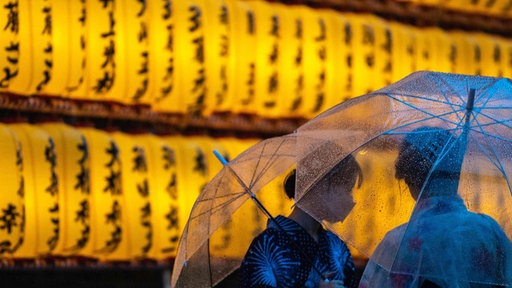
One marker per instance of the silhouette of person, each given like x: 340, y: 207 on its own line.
x: 443, y: 244
x: 284, y: 254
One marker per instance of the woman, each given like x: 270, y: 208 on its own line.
x: 443, y: 244
x: 293, y: 251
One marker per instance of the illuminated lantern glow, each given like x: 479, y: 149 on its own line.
x: 105, y: 65
x: 10, y: 37
x: 108, y: 239
x: 217, y: 44
x: 161, y: 26
x: 490, y: 55
x: 443, y: 52
x: 404, y: 50
x: 61, y: 37
x: 268, y: 53
x: 383, y: 50
x: 72, y: 169
x: 424, y: 49
x: 468, y: 53
x: 506, y: 48
x: 12, y: 206
x: 192, y: 174
x: 338, y: 70
x: 189, y: 58
x: 363, y: 47
x: 244, y: 76
x: 41, y: 191
x: 136, y: 193
x: 75, y: 34
x: 132, y: 37
x: 32, y: 22
x: 163, y: 186
x: 291, y: 60
x: 315, y: 60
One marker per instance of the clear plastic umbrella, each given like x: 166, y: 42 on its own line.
x: 477, y: 155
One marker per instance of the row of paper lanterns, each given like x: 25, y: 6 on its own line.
x: 207, y: 56
x: 78, y: 191
x: 493, y: 7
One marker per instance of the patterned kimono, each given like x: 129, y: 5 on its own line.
x: 275, y: 259
x: 444, y: 245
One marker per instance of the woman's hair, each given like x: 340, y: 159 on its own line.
x: 418, y: 153
x: 347, y: 171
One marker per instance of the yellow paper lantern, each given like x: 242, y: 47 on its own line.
x: 404, y: 50
x: 192, y: 174
x: 218, y: 55
x: 490, y: 55
x: 105, y: 65
x: 75, y: 35
x: 268, y: 53
x: 244, y: 76
x: 132, y: 37
x: 506, y: 48
x: 443, y: 50
x: 363, y: 47
x: 74, y: 187
x: 29, y: 45
x: 467, y: 53
x: 338, y: 64
x: 291, y: 60
x: 315, y: 27
x: 161, y: 25
x: 10, y: 36
x: 163, y: 182
x: 382, y: 54
x: 189, y: 58
x: 12, y: 207
x: 108, y: 233
x: 425, y: 47
x: 136, y: 194
x: 41, y: 191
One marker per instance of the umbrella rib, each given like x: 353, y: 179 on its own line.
x: 217, y: 208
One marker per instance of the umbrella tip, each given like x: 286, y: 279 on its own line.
x: 471, y: 99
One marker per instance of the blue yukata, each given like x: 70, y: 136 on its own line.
x: 275, y: 259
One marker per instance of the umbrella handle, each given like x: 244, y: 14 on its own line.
x: 220, y: 157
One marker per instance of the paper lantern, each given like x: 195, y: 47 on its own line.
x: 244, y: 76
x: 42, y: 227
x: 105, y: 65
x: 425, y: 47
x: 107, y: 209
x: 161, y: 25
x: 363, y: 47
x: 161, y: 163
x: 189, y: 51
x: 383, y: 48
x: 467, y: 53
x: 291, y: 60
x: 132, y: 41
x: 136, y: 194
x: 338, y: 64
x: 490, y: 56
x: 72, y: 169
x: 75, y: 35
x: 10, y: 36
x: 404, y: 50
x: 12, y: 206
x: 506, y: 48
x: 218, y: 55
x: 443, y: 50
x: 192, y: 174
x: 163, y: 182
x: 28, y: 44
x: 268, y: 53
x: 315, y: 60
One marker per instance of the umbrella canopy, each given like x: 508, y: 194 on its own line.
x: 474, y: 161
x: 460, y: 126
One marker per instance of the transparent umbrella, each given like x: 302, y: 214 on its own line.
x: 441, y: 215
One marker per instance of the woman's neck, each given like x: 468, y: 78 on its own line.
x: 307, y: 222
